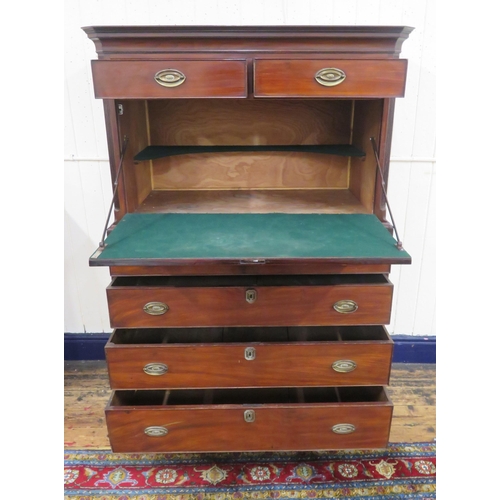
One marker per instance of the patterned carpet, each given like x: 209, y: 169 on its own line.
x: 402, y: 471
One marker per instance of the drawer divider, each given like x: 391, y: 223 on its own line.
x: 165, y: 398
x: 337, y: 392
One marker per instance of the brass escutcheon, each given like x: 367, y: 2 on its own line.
x: 155, y: 431
x: 251, y: 296
x: 344, y: 365
x: 343, y: 428
x: 249, y: 416
x: 345, y: 306
x: 250, y: 353
x: 329, y: 77
x: 170, y: 78
x: 155, y: 369
x: 155, y: 308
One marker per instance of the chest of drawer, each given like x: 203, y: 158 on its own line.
x: 249, y: 419
x: 163, y: 79
x: 155, y: 301
x: 329, y: 78
x: 248, y: 357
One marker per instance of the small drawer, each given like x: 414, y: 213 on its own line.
x: 302, y: 300
x: 188, y: 358
x: 249, y: 420
x: 169, y: 79
x: 330, y: 78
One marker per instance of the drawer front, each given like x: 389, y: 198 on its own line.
x: 249, y: 364
x: 258, y: 306
x: 330, y: 78
x: 169, y: 79
x: 249, y: 428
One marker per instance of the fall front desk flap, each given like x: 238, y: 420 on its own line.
x: 163, y: 239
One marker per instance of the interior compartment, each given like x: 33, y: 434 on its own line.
x: 180, y: 397
x: 145, y: 336
x: 254, y: 179
x: 249, y: 281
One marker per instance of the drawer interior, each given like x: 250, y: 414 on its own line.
x: 175, y: 336
x: 249, y: 281
x: 248, y: 396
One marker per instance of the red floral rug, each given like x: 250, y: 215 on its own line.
x: 402, y: 471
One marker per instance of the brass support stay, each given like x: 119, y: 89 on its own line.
x: 399, y: 243
x: 115, y: 189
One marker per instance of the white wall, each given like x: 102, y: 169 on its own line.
x: 412, y: 175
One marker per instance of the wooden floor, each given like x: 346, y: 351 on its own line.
x: 412, y: 390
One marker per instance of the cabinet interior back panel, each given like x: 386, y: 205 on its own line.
x: 252, y: 122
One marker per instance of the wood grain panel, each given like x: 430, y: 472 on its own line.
x: 251, y: 122
x: 295, y: 78
x: 273, y: 170
x: 135, y: 79
x: 137, y: 176
x: 227, y: 305
x: 363, y: 174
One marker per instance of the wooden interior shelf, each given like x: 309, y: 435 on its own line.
x: 154, y: 152
x: 321, y: 201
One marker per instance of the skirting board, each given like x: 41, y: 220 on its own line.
x: 407, y: 348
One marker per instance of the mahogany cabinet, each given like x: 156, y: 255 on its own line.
x: 250, y: 239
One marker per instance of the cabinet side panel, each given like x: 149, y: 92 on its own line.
x: 114, y: 146
x: 363, y: 172
x: 384, y: 146
x: 137, y: 176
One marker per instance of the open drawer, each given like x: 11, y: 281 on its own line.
x: 248, y: 357
x: 249, y: 419
x: 302, y: 300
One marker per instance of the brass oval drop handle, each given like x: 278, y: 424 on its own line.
x: 345, y: 306
x: 155, y: 431
x: 155, y: 369
x: 155, y: 308
x: 170, y: 78
x: 343, y: 428
x: 329, y: 77
x: 344, y: 365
